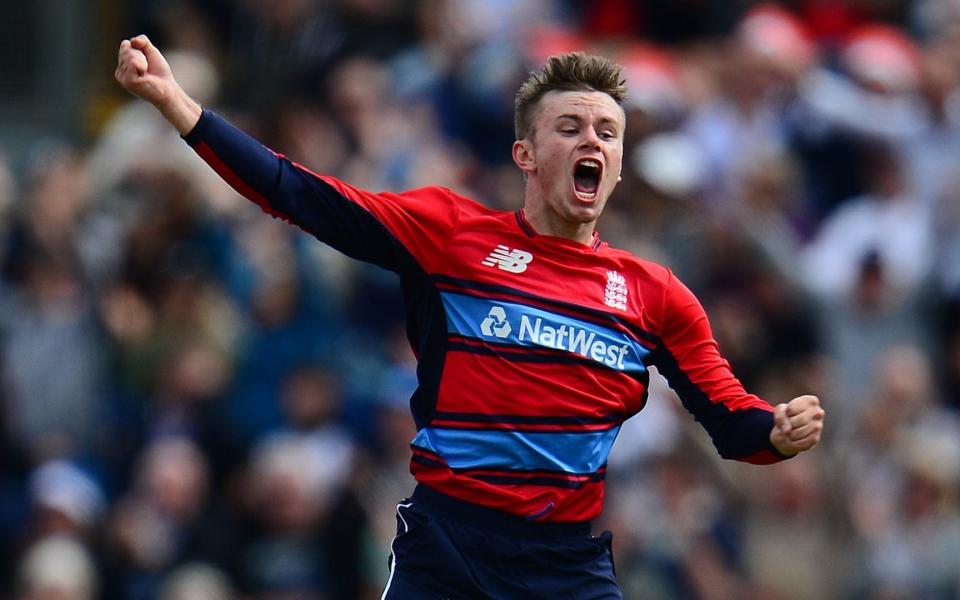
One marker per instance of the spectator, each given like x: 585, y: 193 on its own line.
x: 57, y: 567
x: 164, y: 520
x: 196, y: 581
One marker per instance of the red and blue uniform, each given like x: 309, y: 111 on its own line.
x: 532, y: 349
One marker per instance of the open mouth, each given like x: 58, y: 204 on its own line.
x: 586, y: 178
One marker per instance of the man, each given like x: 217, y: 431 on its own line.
x: 533, y: 337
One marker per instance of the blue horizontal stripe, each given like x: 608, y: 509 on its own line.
x: 574, y: 453
x: 568, y: 307
x: 512, y: 323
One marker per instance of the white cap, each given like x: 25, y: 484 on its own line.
x: 60, y: 486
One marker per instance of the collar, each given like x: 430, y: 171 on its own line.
x: 530, y: 232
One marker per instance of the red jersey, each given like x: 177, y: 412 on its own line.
x: 532, y: 349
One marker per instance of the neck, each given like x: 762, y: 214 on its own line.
x: 547, y: 222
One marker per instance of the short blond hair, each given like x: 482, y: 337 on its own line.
x: 571, y: 72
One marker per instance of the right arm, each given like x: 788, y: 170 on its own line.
x: 143, y: 71
x: 380, y: 228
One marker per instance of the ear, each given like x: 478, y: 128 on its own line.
x: 523, y: 156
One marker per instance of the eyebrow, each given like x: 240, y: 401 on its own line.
x: 579, y: 119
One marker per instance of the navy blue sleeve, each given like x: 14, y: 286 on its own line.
x: 386, y: 229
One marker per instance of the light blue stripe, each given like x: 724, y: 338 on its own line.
x: 574, y: 452
x: 500, y: 322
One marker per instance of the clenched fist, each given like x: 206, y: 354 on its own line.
x: 797, y: 425
x: 143, y: 71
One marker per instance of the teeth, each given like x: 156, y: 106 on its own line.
x: 590, y: 163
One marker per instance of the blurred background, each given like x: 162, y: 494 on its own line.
x: 181, y: 420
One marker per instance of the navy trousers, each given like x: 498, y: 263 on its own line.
x: 447, y: 549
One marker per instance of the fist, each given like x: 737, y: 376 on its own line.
x: 797, y: 425
x: 143, y: 71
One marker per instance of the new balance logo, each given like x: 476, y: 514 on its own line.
x: 496, y: 324
x: 512, y: 261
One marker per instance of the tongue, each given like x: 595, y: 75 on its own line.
x: 585, y: 184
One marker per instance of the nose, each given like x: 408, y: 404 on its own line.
x: 590, y: 140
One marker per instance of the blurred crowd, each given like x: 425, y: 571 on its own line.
x: 201, y: 402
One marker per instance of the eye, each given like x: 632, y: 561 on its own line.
x: 608, y: 135
x: 568, y: 131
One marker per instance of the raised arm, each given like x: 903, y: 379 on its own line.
x: 143, y: 71
x: 402, y: 232
x: 742, y: 426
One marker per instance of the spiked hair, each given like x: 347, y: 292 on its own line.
x: 570, y: 72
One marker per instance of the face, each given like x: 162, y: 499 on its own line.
x: 572, y: 161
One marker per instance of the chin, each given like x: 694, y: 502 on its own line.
x: 584, y: 214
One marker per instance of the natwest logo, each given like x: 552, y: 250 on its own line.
x: 496, y: 324
x: 559, y: 335
x: 512, y: 261
x: 573, y: 339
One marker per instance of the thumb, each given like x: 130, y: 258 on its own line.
x: 781, y: 419
x: 143, y: 44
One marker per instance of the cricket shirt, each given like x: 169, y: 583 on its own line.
x: 532, y: 349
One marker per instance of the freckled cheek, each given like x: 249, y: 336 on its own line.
x: 554, y: 156
x: 555, y: 164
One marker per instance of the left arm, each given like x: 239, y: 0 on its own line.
x: 742, y: 426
